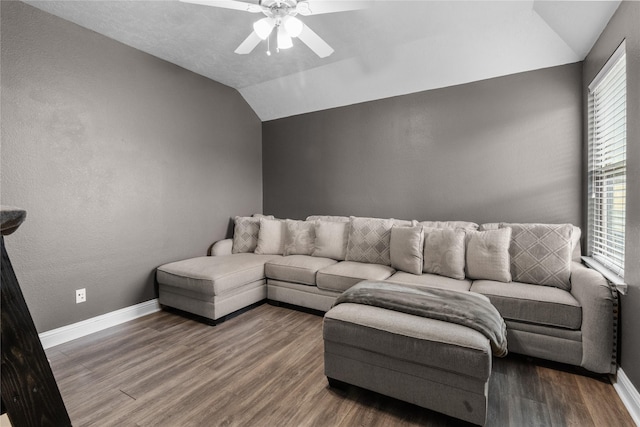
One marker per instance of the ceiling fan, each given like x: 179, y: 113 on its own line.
x: 281, y: 15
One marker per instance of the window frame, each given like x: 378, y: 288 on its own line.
x: 606, y: 170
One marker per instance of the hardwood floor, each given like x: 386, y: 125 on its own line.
x: 265, y: 368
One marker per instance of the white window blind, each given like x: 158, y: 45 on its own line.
x: 608, y: 163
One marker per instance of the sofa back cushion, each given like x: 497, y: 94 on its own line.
x: 245, y: 234
x: 299, y: 237
x: 541, y: 254
x: 576, y: 250
x: 489, y: 226
x: 271, y: 237
x: 450, y: 224
x: 403, y: 222
x: 369, y: 240
x: 330, y: 218
x: 406, y: 245
x: 487, y: 255
x: 444, y: 252
x: 331, y: 239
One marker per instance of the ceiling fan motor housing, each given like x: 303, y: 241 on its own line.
x: 278, y: 9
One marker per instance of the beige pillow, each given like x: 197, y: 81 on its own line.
x: 541, y: 254
x: 245, y: 234
x: 299, y: 237
x: 369, y: 240
x: 488, y: 254
x: 331, y: 239
x: 406, y: 248
x: 444, y: 250
x: 271, y: 237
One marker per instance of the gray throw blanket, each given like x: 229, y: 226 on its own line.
x: 464, y: 308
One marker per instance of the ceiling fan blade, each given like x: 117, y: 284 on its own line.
x: 228, y: 4
x: 248, y: 44
x: 315, y: 43
x: 317, y: 7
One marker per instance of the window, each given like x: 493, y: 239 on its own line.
x: 608, y: 163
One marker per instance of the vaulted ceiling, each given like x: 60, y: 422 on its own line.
x: 390, y: 48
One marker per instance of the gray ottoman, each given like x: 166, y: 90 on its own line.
x: 434, y: 364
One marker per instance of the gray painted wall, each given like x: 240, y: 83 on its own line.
x: 122, y: 161
x: 624, y: 24
x: 505, y: 149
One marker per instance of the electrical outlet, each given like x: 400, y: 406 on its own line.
x: 81, y: 295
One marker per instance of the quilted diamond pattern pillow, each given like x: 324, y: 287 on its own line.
x: 245, y: 234
x: 370, y: 240
x: 541, y: 254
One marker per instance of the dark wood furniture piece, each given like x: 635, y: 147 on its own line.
x: 30, y: 395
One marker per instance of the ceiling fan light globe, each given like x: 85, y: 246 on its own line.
x: 293, y: 26
x: 284, y: 39
x: 263, y: 27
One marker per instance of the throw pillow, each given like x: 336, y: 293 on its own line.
x: 270, y: 237
x: 488, y: 254
x: 245, y: 234
x: 541, y: 254
x: 444, y: 252
x: 331, y: 240
x: 369, y: 240
x: 299, y: 237
x: 406, y: 248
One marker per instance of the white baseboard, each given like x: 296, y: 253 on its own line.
x: 628, y: 394
x: 78, y: 330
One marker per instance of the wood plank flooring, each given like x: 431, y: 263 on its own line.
x: 265, y: 368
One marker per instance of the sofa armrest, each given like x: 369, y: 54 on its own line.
x: 597, y: 299
x: 222, y: 247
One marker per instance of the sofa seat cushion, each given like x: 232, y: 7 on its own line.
x: 343, y: 275
x: 214, y: 275
x: 540, y: 305
x: 430, y: 281
x: 296, y: 268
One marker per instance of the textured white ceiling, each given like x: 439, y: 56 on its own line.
x: 391, y: 48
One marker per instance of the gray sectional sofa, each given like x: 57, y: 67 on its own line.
x: 554, y: 307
